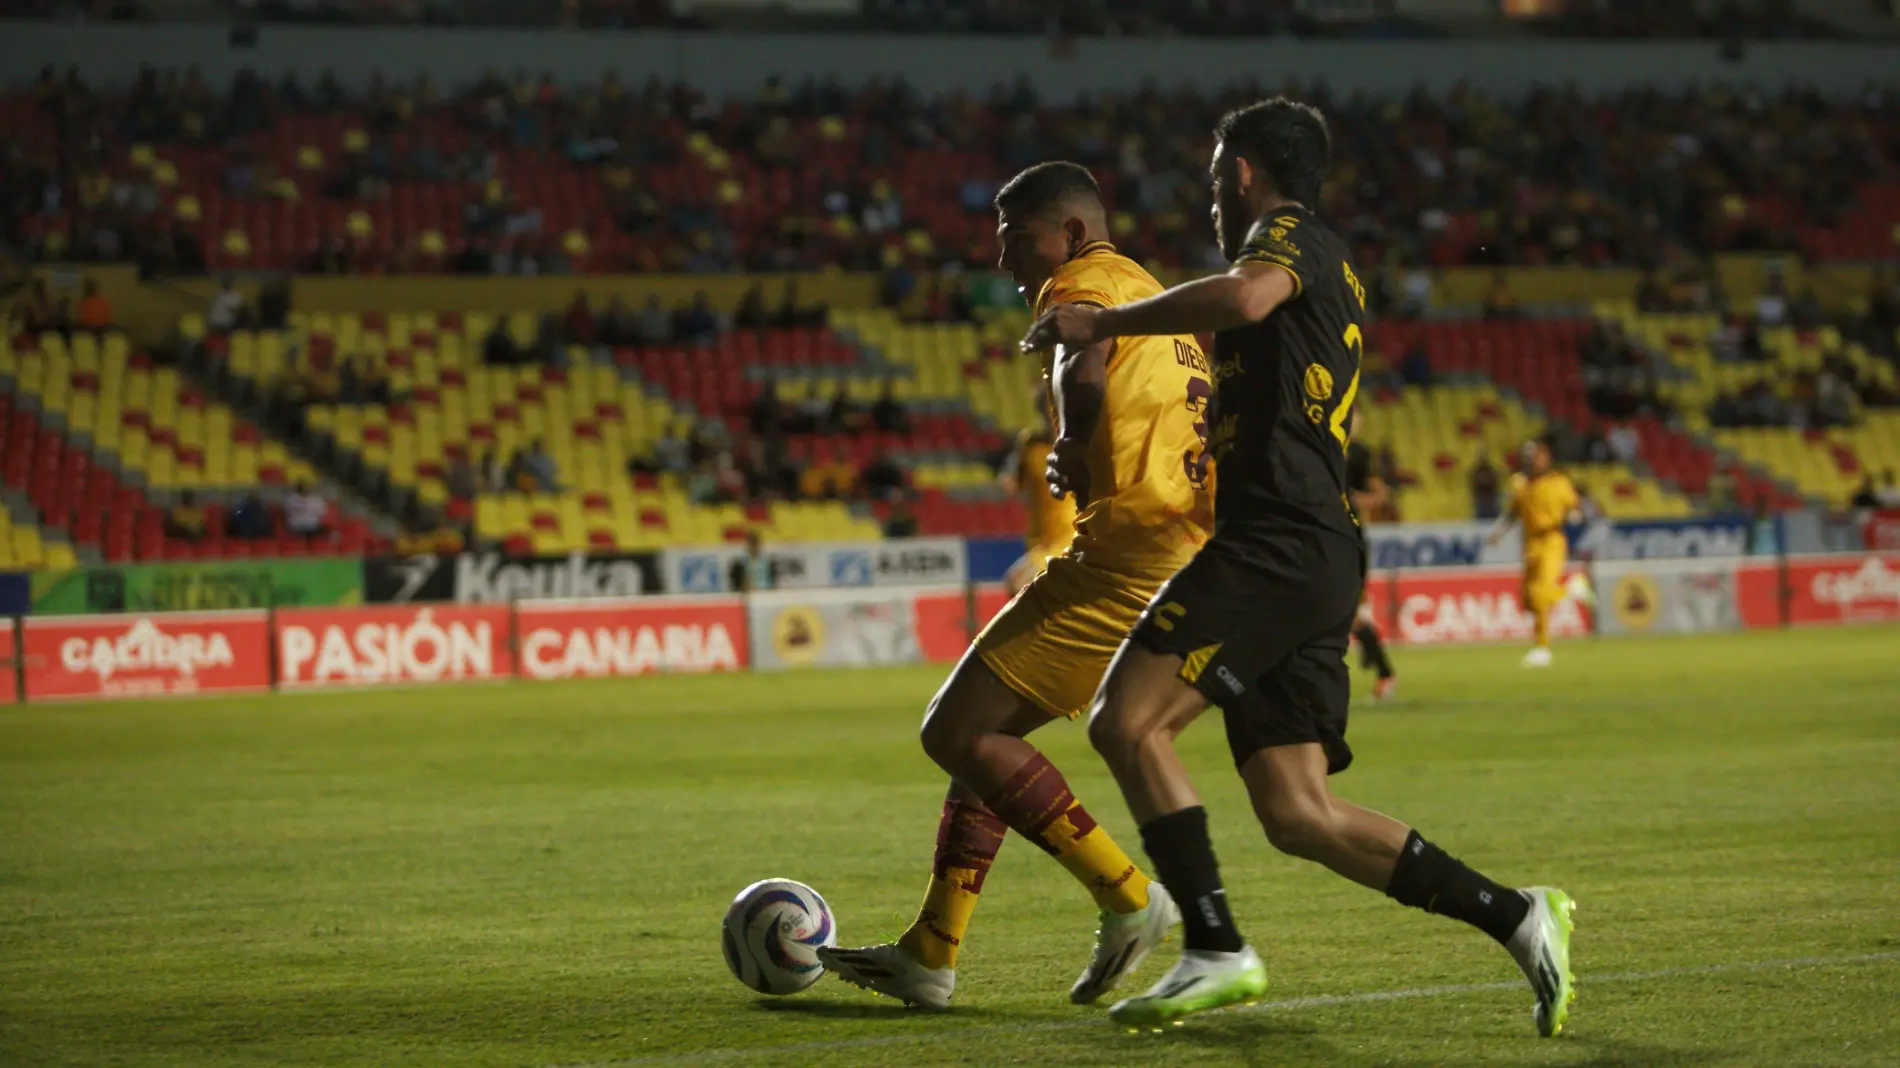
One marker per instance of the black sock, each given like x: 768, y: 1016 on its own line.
x: 1372, y: 649
x: 1184, y: 862
x: 1429, y: 878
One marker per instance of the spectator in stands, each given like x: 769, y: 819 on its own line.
x: 1624, y: 442
x: 1416, y: 367
x: 250, y: 520
x: 888, y: 415
x: 1805, y: 311
x: 753, y: 570
x: 1889, y: 492
x: 792, y: 313
x: 475, y: 257
x: 1771, y: 308
x: 491, y: 474
x: 829, y: 479
x: 273, y: 304
x: 1484, y: 488
x: 1721, y: 498
x: 186, y: 519
x: 499, y: 348
x: 881, y: 477
x: 226, y: 311
x: 696, y: 323
x: 1588, y: 509
x: 615, y: 327
x: 577, y: 325
x: 1867, y: 496
x: 95, y: 311
x: 751, y: 313
x: 1765, y: 536
x: 842, y: 415
x: 331, y: 257
x: 653, y: 326
x: 37, y: 312
x: 306, y: 512
x: 768, y: 416
x: 901, y: 522
x: 535, y: 471
x: 1499, y: 301
x: 1652, y: 297
x: 461, y: 477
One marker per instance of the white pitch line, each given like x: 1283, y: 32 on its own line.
x: 714, y: 1056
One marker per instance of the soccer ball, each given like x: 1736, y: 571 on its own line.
x: 772, y: 934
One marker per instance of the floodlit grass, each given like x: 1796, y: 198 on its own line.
x: 532, y: 876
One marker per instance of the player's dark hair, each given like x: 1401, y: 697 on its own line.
x: 1283, y: 139
x: 1047, y: 185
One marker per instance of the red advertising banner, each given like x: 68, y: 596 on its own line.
x: 145, y: 655
x: 990, y: 599
x: 618, y: 639
x: 394, y: 643
x: 1476, y: 605
x: 943, y: 625
x: 9, y: 677
x: 1758, y: 593
x: 1880, y: 531
x: 1843, y: 589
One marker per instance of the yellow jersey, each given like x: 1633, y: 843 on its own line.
x: 1051, y: 519
x: 1541, y: 504
x: 1151, y: 502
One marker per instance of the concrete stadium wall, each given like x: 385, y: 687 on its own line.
x: 736, y: 64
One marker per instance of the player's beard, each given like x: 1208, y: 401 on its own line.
x: 1235, y: 218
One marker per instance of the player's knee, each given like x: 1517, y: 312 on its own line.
x: 944, y: 739
x: 1111, y: 732
x: 1299, y: 826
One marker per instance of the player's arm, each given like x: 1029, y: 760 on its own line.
x: 1373, y: 497
x: 1506, y: 520
x: 1080, y: 378
x: 1080, y: 381
x: 1006, y: 475
x: 1244, y: 295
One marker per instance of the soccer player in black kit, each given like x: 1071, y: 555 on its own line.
x: 1257, y: 622
x: 1368, y: 492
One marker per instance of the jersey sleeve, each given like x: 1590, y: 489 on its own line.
x: 1276, y: 239
x: 1077, y: 282
x: 1514, y: 496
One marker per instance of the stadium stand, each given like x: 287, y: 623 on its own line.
x: 525, y: 177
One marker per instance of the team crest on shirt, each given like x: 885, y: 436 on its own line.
x: 1318, y: 382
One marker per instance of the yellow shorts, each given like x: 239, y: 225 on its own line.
x: 1053, y: 641
x: 1543, y: 579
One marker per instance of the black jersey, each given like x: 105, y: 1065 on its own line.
x: 1358, y: 468
x: 1286, y: 385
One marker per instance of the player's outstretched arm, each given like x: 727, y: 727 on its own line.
x: 1246, y: 294
x: 1080, y: 378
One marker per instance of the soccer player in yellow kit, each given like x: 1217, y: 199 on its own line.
x: 1541, y: 499
x: 1051, y: 524
x: 1131, y: 449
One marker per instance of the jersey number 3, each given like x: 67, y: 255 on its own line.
x: 1342, y: 414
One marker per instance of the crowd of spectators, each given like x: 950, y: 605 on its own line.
x: 1458, y: 178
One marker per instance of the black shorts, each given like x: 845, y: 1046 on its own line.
x: 1260, y: 618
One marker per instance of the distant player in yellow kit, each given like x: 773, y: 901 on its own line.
x: 1541, y: 500
x: 1051, y: 518
x: 1131, y: 450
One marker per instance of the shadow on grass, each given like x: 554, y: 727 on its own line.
x: 881, y: 1009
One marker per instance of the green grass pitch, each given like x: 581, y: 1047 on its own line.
x: 531, y: 876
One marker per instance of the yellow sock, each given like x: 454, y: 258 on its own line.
x: 1542, y: 617
x: 1093, y: 858
x: 968, y: 836
x: 1037, y: 804
x: 937, y: 934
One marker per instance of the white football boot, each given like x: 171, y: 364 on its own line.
x: 1541, y: 947
x: 890, y: 971
x: 1199, y: 981
x: 1538, y: 657
x: 1123, y: 942
x: 1579, y: 589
